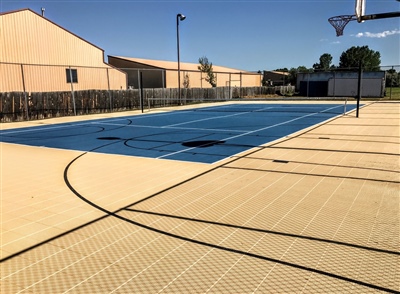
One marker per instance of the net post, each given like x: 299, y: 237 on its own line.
x: 359, y: 87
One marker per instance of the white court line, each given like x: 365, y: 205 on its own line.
x: 98, y: 122
x: 251, y: 132
x: 44, y: 128
x: 217, y: 117
x: 173, y: 126
x: 74, y: 124
x: 167, y: 127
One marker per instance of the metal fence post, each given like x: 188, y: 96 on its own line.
x: 109, y: 91
x: 229, y: 85
x: 240, y: 91
x: 334, y: 84
x: 72, y: 90
x: 139, y: 86
x: 163, y: 87
x: 216, y: 85
x: 24, y: 89
x: 141, y: 92
x: 391, y: 83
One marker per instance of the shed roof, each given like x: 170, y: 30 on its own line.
x: 173, y: 65
x: 283, y: 73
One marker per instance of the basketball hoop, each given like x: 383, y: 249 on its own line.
x: 339, y: 22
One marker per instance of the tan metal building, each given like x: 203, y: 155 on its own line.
x: 37, y: 55
x: 164, y: 74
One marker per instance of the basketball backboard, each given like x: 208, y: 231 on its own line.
x: 339, y: 22
x: 360, y: 9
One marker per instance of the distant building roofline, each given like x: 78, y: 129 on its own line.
x: 173, y: 65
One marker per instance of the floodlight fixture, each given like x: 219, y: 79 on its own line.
x: 181, y: 17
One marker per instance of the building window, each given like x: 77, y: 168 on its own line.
x: 72, y: 73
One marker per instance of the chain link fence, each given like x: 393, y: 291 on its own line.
x: 392, y: 90
x: 29, y: 92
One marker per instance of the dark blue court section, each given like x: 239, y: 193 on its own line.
x: 204, y: 135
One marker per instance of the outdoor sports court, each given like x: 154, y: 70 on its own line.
x: 234, y: 197
x: 203, y: 134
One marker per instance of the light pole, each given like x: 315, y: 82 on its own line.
x: 179, y: 17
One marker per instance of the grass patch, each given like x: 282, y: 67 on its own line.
x: 393, y: 93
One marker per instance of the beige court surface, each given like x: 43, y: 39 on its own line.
x: 315, y: 212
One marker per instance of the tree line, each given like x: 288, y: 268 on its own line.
x: 349, y: 61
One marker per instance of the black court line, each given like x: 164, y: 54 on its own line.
x: 198, y: 242
x: 4, y: 259
x: 321, y: 164
x: 59, y: 235
x: 108, y: 213
x: 351, y: 140
x: 311, y: 174
x: 354, y: 135
x: 264, y: 231
x: 232, y: 250
x: 215, y: 246
x: 330, y: 150
x: 115, y: 214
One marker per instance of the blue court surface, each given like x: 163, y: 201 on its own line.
x: 206, y: 134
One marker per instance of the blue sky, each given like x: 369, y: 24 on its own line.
x: 249, y: 35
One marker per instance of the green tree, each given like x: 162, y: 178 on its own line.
x: 392, y: 78
x: 186, y: 80
x: 324, y: 64
x: 302, y: 68
x: 206, y: 67
x: 351, y: 58
x: 292, y: 76
x: 293, y: 73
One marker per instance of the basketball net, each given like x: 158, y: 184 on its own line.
x: 339, y: 22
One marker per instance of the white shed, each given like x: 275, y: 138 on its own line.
x: 341, y: 84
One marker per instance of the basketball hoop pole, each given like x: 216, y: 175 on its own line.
x: 380, y: 15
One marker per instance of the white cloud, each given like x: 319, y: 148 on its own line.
x: 335, y: 42
x: 377, y: 35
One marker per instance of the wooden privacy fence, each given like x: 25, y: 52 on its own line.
x: 20, y: 106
